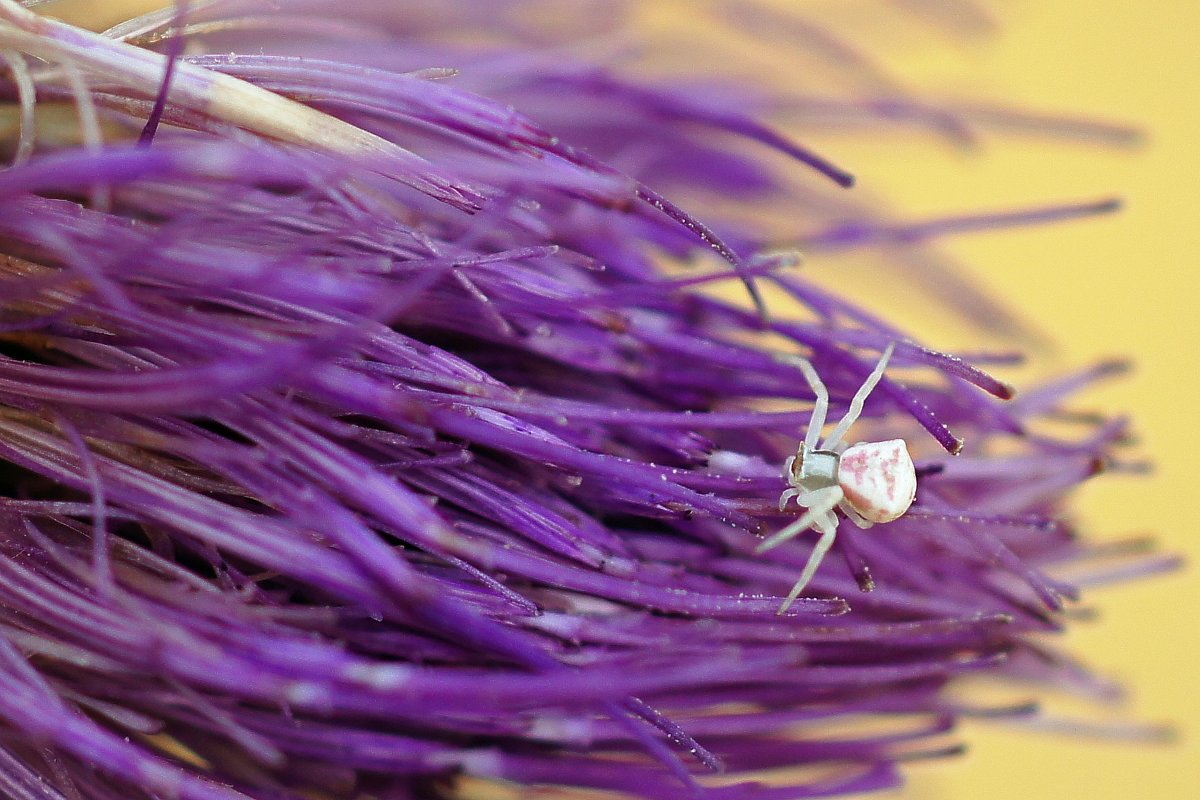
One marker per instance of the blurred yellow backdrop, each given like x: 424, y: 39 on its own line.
x: 1124, y: 285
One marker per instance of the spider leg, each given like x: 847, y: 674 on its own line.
x: 820, y: 404
x: 860, y: 397
x: 788, y: 494
x: 854, y: 516
x: 820, y: 502
x: 828, y: 526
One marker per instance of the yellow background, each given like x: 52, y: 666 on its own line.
x: 1124, y: 285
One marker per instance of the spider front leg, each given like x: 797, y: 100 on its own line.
x: 820, y: 502
x: 859, y: 400
x: 827, y: 524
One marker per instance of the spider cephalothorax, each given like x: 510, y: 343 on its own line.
x: 869, y: 481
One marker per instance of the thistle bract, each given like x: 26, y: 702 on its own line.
x: 369, y: 426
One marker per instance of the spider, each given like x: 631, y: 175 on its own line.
x: 870, y: 482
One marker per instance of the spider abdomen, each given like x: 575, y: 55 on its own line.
x: 878, y: 479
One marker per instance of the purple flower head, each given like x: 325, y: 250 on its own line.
x: 369, y: 425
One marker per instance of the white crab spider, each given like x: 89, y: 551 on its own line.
x: 870, y: 481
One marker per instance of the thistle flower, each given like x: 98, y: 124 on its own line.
x: 365, y: 436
